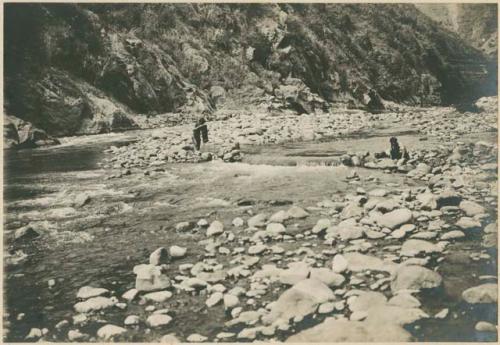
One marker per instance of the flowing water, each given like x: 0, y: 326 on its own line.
x: 128, y: 218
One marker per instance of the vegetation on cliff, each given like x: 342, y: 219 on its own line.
x: 84, y: 68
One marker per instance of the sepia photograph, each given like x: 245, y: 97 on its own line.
x: 250, y: 172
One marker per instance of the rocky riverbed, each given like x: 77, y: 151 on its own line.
x: 296, y: 230
x: 230, y: 130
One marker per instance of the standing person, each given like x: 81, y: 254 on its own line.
x: 200, y: 132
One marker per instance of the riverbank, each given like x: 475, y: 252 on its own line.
x: 174, y: 144
x: 289, y: 244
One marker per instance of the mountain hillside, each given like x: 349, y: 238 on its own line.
x: 476, y: 23
x: 86, y: 68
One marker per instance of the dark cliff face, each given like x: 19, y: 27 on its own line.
x: 477, y: 24
x: 74, y: 68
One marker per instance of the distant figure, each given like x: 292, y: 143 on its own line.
x: 200, y: 133
x: 375, y: 104
x: 396, y: 151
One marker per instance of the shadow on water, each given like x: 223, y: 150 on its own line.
x: 24, y: 168
x: 459, y: 272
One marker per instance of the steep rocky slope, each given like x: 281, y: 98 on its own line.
x: 90, y: 68
x: 476, y: 23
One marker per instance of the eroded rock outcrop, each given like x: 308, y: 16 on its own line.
x: 22, y: 134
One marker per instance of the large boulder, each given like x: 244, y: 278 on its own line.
x: 452, y: 235
x: 390, y: 314
x: 332, y: 330
x: 490, y: 240
x: 300, y: 300
x: 415, y: 278
x: 352, y: 210
x: 215, y: 228
x: 491, y: 228
x: 428, y: 201
x: 366, y: 301
x: 275, y: 229
x: 294, y: 94
x: 158, y: 296
x: 327, y: 276
x: 448, y: 197
x: 357, y: 262
x: 259, y: 220
x: 395, y: 218
x: 217, y: 94
x: 485, y: 293
x: 158, y: 320
x: 339, y: 263
x: 471, y: 208
x: 22, y: 134
x: 10, y: 135
x: 297, y: 212
x: 107, y: 116
x: 150, y: 278
x: 94, y: 304
x: 468, y: 223
x: 89, y: 291
x: 346, y: 232
x: 295, y: 272
x: 405, y: 300
x: 278, y: 217
x: 488, y: 104
x: 321, y: 225
x: 159, y: 256
x: 109, y: 331
x: 413, y: 247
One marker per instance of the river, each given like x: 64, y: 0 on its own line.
x: 128, y: 218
